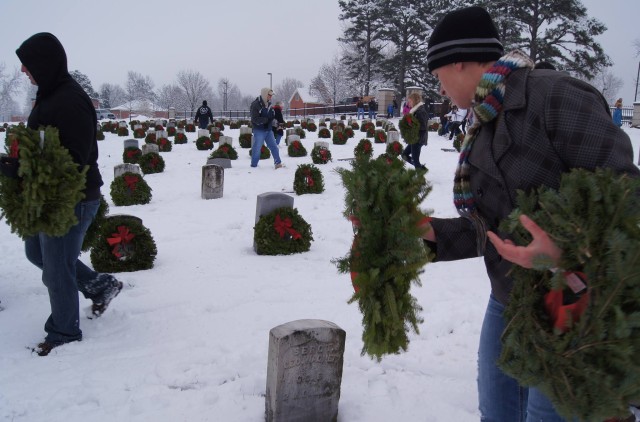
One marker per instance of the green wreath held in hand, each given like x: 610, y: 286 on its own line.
x: 48, y: 187
x: 410, y: 129
x: 388, y: 253
x: 591, y: 369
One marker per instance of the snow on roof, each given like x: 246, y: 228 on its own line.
x: 137, y: 105
x: 305, y: 96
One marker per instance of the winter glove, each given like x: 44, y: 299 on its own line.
x: 9, y: 166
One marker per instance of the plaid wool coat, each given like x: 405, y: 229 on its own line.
x: 550, y: 124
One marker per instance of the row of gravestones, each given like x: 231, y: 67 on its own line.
x: 305, y: 358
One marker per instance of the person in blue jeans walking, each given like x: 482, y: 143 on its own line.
x: 505, y: 92
x: 61, y: 102
x: 262, y: 115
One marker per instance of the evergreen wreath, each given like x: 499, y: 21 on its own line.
x: 139, y: 133
x: 92, y: 234
x: 130, y: 189
x: 150, y: 138
x: 355, y: 125
x: 124, y: 244
x: 151, y: 162
x: 180, y: 138
x: 171, y: 131
x: 364, y: 149
x: 264, y: 153
x: 308, y: 179
x: 320, y: 155
x: 457, y: 141
x: 219, y: 125
x: 123, y: 131
x: 300, y: 132
x: 234, y: 125
x: 394, y: 148
x: 382, y: 199
x: 99, y: 135
x: 339, y: 138
x: 159, y: 128
x: 349, y: 132
x: 190, y: 128
x: 304, y: 124
x: 215, y: 136
x: 164, y: 145
x: 49, y: 184
x: 204, y: 143
x: 371, y: 131
x: 282, y: 232
x: 225, y: 151
x: 324, y: 133
x: 181, y: 124
x: 380, y: 136
x: 366, y: 126
x: 131, y: 155
x: 245, y: 140
x: 311, y: 127
x: 296, y: 149
x: 591, y: 370
x: 410, y: 129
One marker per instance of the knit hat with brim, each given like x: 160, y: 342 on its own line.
x: 464, y: 35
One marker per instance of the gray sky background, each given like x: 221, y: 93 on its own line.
x: 242, y: 40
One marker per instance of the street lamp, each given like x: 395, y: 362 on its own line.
x: 270, y: 79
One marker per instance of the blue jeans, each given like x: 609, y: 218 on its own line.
x: 501, y: 398
x: 278, y: 136
x: 63, y: 273
x: 413, y: 152
x: 260, y: 136
x: 361, y: 113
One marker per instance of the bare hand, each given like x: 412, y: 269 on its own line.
x: 524, y: 255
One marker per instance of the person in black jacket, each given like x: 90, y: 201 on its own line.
x: 203, y: 115
x: 278, y: 122
x: 411, y: 153
x: 62, y: 103
x: 262, y: 115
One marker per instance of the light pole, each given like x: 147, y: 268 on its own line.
x: 270, y: 79
x: 637, y: 78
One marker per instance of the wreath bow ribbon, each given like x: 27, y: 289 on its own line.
x: 309, y: 178
x: 283, y: 226
x: 13, y: 151
x: 131, y: 181
x: 120, y: 239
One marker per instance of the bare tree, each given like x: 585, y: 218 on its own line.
x: 171, y: 96
x: 608, y: 84
x: 112, y: 95
x: 224, y: 87
x: 285, y: 89
x: 10, y: 84
x: 636, y: 46
x: 195, y: 87
x: 139, y: 89
x: 332, y: 82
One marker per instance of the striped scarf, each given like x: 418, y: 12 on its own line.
x: 489, y: 98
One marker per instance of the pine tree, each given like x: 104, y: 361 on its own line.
x: 84, y: 82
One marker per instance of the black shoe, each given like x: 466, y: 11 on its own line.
x: 101, y: 302
x: 44, y: 348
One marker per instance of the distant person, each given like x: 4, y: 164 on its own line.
x: 390, y: 110
x: 278, y: 122
x: 360, y: 108
x: 406, y: 108
x: 395, y: 106
x: 411, y: 153
x: 203, y: 115
x: 373, y: 108
x: 62, y: 103
x: 262, y: 115
x: 617, y: 113
x: 455, y: 117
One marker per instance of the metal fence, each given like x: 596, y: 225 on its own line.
x: 627, y: 114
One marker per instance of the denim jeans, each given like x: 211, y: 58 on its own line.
x: 260, y: 136
x: 413, y: 152
x: 63, y: 273
x: 278, y: 136
x: 501, y: 398
x: 361, y: 113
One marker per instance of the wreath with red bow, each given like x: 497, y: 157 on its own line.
x: 139, y: 133
x: 282, y: 232
x: 123, y: 131
x: 320, y: 155
x: 308, y: 179
x: 339, y: 137
x: 130, y: 189
x: 324, y: 133
x: 380, y: 136
x: 364, y: 149
x: 204, y: 143
x: 410, y: 128
x: 164, y: 145
x: 124, y: 245
x: 180, y: 138
x: 395, y: 148
x: 225, y: 151
x: 245, y: 140
x: 151, y: 162
x: 131, y: 155
x: 296, y: 149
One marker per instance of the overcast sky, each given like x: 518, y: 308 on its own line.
x: 242, y: 40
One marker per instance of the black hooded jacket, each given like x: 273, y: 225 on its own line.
x: 61, y: 102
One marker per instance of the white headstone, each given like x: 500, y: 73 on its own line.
x: 212, y: 181
x: 147, y: 148
x: 292, y: 138
x: 122, y: 124
x: 131, y: 143
x: 226, y: 140
x: 121, y: 169
x: 393, y: 136
x: 245, y: 129
x: 323, y: 144
x: 203, y: 132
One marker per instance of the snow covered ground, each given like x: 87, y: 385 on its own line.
x: 188, y: 339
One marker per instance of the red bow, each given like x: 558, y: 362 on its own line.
x: 132, y: 153
x: 154, y: 161
x: 323, y: 154
x: 131, y: 182
x: 119, y: 240
x: 13, y: 150
x: 367, y: 147
x: 309, y: 178
x: 285, y: 226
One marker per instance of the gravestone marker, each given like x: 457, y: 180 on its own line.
x: 162, y: 134
x: 180, y: 130
x: 203, y: 132
x: 270, y: 201
x: 323, y: 144
x: 222, y: 162
x: 291, y: 138
x: 226, y: 140
x: 121, y: 169
x: 131, y: 143
x: 212, y: 181
x: 172, y: 123
x: 245, y: 129
x: 393, y: 136
x: 137, y: 126
x: 215, y: 129
x: 122, y: 124
x: 147, y: 148
x: 290, y: 132
x: 304, y: 371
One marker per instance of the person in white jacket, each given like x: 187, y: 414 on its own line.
x: 455, y: 117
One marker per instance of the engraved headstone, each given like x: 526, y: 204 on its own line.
x: 147, y: 148
x: 203, y: 132
x: 304, y: 371
x: 121, y: 169
x: 393, y: 136
x: 226, y: 140
x: 270, y: 201
x: 225, y: 163
x: 292, y: 138
x: 131, y: 143
x: 323, y: 144
x: 245, y: 129
x: 212, y: 181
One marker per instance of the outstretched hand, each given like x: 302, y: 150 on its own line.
x: 524, y: 255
